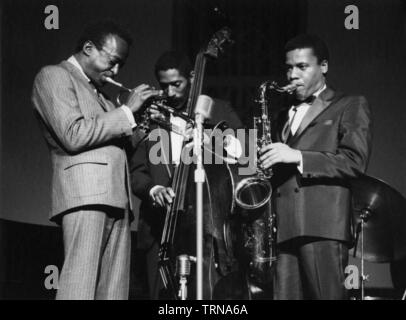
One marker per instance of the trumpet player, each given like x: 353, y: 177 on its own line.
x: 86, y: 135
x: 323, y: 140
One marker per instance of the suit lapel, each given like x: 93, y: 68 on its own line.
x: 80, y: 78
x: 106, y: 104
x: 321, y: 103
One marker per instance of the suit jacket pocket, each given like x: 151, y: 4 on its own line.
x: 85, y: 179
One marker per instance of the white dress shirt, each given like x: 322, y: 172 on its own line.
x: 301, y: 111
x: 232, y: 145
x: 176, y: 145
x: 177, y: 139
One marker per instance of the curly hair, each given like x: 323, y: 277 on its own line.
x: 303, y: 41
x: 97, y: 32
x: 174, y: 60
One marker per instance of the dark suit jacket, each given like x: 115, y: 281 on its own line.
x: 335, y: 140
x: 145, y: 175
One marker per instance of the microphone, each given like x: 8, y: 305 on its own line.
x: 203, y: 108
x: 183, y: 265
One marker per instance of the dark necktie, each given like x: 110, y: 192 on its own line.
x: 100, y: 96
x: 286, y: 131
x: 102, y: 100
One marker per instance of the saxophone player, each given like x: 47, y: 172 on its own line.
x: 323, y: 140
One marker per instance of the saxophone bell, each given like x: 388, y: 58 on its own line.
x: 253, y: 195
x: 255, y: 191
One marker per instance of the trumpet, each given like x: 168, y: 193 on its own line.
x: 155, y: 99
x: 143, y: 119
x: 115, y: 83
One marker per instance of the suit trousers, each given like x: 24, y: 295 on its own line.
x: 97, y: 244
x: 311, y: 269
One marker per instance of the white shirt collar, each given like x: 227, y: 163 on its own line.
x: 317, y: 93
x: 296, y: 115
x: 75, y: 63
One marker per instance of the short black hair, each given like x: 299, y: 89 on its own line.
x: 310, y: 41
x: 174, y: 60
x: 98, y: 31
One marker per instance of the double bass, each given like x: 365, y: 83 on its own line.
x: 177, y: 249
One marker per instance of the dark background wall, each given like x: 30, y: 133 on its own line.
x: 26, y: 47
x: 370, y: 61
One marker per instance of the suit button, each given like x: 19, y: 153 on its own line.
x: 296, y: 190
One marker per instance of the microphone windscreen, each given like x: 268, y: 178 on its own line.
x: 183, y: 265
x: 203, y: 106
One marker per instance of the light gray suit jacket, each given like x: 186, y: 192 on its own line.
x: 85, y: 135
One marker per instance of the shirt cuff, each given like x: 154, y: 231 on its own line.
x: 151, y: 192
x: 232, y: 146
x: 129, y: 115
x: 300, y: 164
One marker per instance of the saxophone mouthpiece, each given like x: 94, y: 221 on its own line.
x: 289, y: 89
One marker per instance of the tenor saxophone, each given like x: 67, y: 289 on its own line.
x: 252, y: 195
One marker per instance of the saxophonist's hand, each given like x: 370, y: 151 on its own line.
x: 274, y: 153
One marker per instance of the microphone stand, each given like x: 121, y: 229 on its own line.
x: 199, y: 180
x: 183, y: 263
x: 365, y: 215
